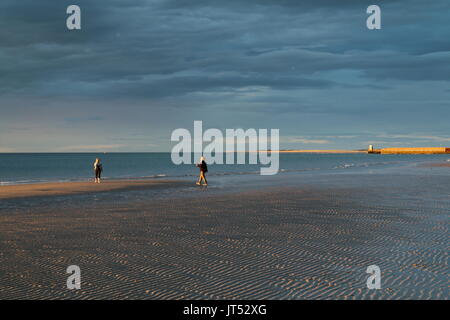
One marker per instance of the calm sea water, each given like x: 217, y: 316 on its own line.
x: 44, y: 167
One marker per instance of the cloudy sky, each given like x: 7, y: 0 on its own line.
x: 139, y: 69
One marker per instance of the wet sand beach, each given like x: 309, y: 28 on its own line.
x: 294, y: 242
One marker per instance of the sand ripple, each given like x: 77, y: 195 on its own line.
x: 283, y: 244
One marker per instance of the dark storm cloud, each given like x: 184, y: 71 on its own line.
x: 159, y: 48
x: 307, y: 67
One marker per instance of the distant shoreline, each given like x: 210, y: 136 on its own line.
x: 323, y: 151
x: 424, y: 150
x: 430, y: 150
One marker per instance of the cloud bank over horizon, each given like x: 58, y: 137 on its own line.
x: 139, y: 69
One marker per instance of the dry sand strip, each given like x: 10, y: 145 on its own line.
x: 283, y: 244
x: 436, y: 165
x: 68, y: 188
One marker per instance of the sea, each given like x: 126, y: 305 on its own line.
x: 28, y: 168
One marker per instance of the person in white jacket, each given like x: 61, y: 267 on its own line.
x: 98, y: 168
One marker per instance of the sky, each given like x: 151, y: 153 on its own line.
x: 139, y: 69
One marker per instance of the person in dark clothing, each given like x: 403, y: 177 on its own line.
x: 203, y: 169
x: 98, y: 168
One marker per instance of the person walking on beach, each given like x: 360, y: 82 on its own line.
x: 98, y: 168
x: 203, y: 169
